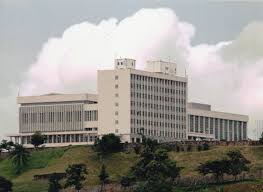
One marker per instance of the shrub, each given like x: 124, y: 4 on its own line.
x: 189, y: 148
x: 5, y: 185
x: 205, y: 147
x: 37, y: 139
x: 199, y: 148
x: 108, y: 144
x: 137, y: 149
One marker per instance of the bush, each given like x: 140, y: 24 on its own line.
x: 137, y: 149
x: 199, y: 148
x: 205, y: 147
x: 261, y: 139
x: 189, y: 148
x: 167, y: 147
x: 5, y: 185
x: 108, y: 144
x: 37, y: 139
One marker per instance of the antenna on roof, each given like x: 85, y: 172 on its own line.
x: 18, y: 92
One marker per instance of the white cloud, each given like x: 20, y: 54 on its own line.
x: 70, y: 62
x: 228, y: 75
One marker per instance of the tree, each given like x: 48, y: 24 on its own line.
x: 205, y: 147
x: 261, y: 139
x: 103, y: 176
x: 237, y: 163
x: 217, y: 167
x: 54, y: 185
x: 19, y: 157
x: 5, y: 185
x: 189, y: 148
x: 126, y: 182
x: 37, y: 139
x: 7, y: 145
x: 76, y: 173
x: 108, y: 144
x: 149, y: 143
x: 199, y: 148
x: 155, y: 172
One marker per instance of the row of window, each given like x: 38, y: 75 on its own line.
x: 157, y: 107
x: 140, y: 122
x: 157, y: 89
x: 157, y: 80
x: 219, y: 127
x: 51, y: 117
x: 156, y: 133
x: 63, y: 138
x: 91, y: 129
x: 156, y: 97
x: 91, y: 115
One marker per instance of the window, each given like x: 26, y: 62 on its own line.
x: 201, y: 124
x: 116, y: 104
x: 116, y: 95
x: 116, y: 86
x: 216, y: 128
x: 191, y: 123
x: 116, y: 122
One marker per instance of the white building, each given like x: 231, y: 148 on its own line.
x: 66, y: 119
x: 213, y: 125
x: 134, y: 102
x: 130, y: 102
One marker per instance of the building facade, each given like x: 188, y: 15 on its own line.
x: 63, y: 118
x: 135, y: 102
x: 213, y: 125
x: 130, y: 103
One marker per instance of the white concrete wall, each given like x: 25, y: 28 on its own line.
x: 114, y: 89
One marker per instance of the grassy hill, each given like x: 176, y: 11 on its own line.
x: 118, y: 164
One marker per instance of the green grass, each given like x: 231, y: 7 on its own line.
x: 118, y: 164
x: 38, y: 159
x: 190, y: 160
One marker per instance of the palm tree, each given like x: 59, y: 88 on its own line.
x: 19, y: 157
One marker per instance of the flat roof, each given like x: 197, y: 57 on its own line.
x: 57, y: 97
x: 201, y: 106
x: 149, y: 74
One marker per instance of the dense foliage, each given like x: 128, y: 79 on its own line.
x: 37, y: 139
x: 5, y: 185
x: 234, y: 165
x: 19, y: 157
x: 6, y: 145
x: 108, y: 144
x: 54, y: 185
x: 154, y: 172
x: 103, y: 176
x: 261, y: 139
x: 76, y: 174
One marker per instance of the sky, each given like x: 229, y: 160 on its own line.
x: 57, y: 46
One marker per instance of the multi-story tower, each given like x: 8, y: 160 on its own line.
x: 135, y: 102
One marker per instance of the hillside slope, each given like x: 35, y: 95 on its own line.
x: 56, y: 160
